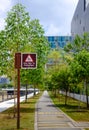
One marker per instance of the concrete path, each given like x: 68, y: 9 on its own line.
x: 48, y: 117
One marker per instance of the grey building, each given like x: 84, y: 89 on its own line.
x: 80, y: 20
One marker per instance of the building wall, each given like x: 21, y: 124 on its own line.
x: 80, y: 20
x: 58, y: 41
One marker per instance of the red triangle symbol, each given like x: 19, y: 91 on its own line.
x: 29, y: 59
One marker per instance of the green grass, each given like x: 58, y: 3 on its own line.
x: 27, y: 111
x: 75, y: 109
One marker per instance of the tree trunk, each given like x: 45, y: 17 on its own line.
x: 55, y: 92
x: 86, y: 86
x: 66, y: 98
x: 34, y: 91
x: 26, y: 94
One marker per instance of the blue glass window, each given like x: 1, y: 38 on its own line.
x: 58, y: 41
x: 63, y: 43
x: 59, y: 38
x: 52, y: 38
x: 62, y: 38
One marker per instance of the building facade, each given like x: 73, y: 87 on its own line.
x: 80, y: 20
x: 58, y: 41
x: 4, y: 80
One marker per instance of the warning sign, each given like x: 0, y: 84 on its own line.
x: 29, y: 61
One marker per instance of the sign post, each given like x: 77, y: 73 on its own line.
x: 24, y: 61
x: 18, y: 99
x: 18, y: 66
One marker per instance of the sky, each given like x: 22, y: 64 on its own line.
x: 54, y: 15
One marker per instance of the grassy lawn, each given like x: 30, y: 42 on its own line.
x: 27, y: 111
x: 75, y: 109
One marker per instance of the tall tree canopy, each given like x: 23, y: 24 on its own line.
x: 21, y: 34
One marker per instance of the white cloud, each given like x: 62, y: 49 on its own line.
x: 2, y: 23
x: 5, y: 5
x: 52, y: 30
x: 55, y: 16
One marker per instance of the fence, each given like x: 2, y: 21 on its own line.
x: 79, y: 97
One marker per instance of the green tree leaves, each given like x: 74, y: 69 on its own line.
x: 73, y: 70
x: 21, y: 34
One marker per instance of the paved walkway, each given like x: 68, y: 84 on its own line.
x: 48, y: 117
x: 10, y: 103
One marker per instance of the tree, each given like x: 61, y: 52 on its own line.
x: 55, y: 83
x: 80, y: 48
x: 3, y: 53
x: 80, y: 68
x: 14, y: 38
x: 64, y: 80
x: 22, y: 34
x: 39, y: 45
x: 79, y: 43
x: 54, y: 56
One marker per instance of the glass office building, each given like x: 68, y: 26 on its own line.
x: 58, y: 41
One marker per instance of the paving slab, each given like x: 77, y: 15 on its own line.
x: 49, y: 117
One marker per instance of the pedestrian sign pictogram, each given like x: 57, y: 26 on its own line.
x: 29, y: 60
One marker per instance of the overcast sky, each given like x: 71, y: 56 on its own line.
x: 54, y: 15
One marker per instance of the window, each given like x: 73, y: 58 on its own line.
x: 52, y: 38
x: 80, y: 21
x: 87, y: 2
x: 59, y: 38
x: 62, y: 38
x: 84, y: 5
x: 63, y: 43
x: 59, y: 44
x: 77, y: 16
x: 83, y: 29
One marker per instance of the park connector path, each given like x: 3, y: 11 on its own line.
x: 10, y: 103
x: 49, y: 117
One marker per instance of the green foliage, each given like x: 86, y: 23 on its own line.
x: 79, y: 43
x: 64, y: 79
x: 21, y: 34
x: 80, y: 65
x: 27, y: 110
x: 75, y: 109
x: 68, y: 47
x: 17, y: 27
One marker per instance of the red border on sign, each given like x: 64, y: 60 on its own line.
x: 29, y: 64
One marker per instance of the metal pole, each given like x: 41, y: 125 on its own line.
x: 18, y: 100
